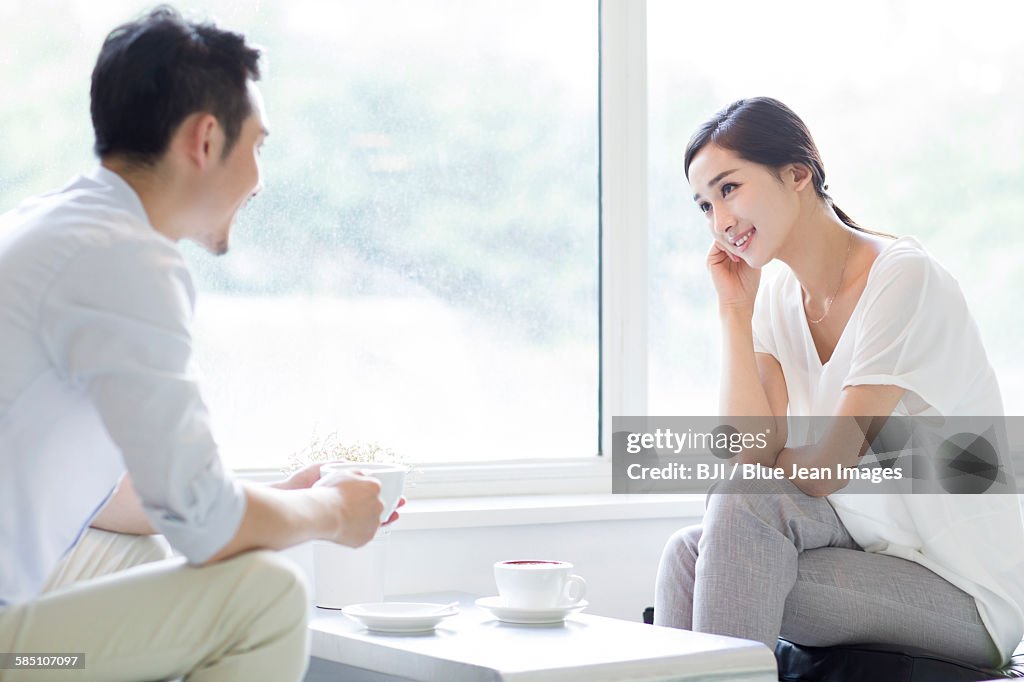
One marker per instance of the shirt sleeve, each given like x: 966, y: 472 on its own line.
x: 116, y: 323
x: 912, y: 332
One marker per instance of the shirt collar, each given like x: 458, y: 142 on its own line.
x: 121, y: 191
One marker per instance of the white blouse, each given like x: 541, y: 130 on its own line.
x: 911, y: 328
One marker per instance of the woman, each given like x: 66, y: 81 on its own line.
x: 860, y: 324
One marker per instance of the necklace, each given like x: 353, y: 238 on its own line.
x: 842, y: 274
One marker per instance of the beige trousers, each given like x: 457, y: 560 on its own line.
x: 138, y: 615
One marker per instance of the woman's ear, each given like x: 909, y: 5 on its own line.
x: 798, y: 175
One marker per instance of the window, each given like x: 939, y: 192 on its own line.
x: 915, y: 108
x: 422, y: 268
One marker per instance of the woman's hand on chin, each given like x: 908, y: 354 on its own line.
x: 735, y: 282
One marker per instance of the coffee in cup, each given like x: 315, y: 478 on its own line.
x: 391, y: 477
x: 538, y: 584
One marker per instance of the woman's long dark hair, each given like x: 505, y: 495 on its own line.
x: 765, y: 131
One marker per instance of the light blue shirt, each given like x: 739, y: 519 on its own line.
x: 95, y: 349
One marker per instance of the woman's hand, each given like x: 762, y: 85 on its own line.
x: 735, y: 282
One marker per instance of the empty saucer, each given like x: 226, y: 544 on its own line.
x: 510, y: 614
x: 399, y: 617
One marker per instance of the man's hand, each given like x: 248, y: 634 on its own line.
x: 303, y: 478
x: 347, y: 512
x: 355, y: 501
x: 308, y: 475
x: 394, y: 514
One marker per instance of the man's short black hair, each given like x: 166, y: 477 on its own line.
x: 153, y: 72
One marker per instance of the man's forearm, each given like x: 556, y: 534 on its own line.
x: 277, y: 516
x: 277, y: 519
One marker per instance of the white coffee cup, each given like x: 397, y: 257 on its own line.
x: 538, y: 584
x: 391, y: 477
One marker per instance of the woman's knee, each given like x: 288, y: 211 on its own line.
x: 761, y: 485
x: 734, y: 504
x: 682, y: 546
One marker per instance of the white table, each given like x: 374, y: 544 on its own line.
x: 475, y: 647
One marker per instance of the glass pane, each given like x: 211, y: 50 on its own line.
x: 915, y: 107
x: 421, y: 269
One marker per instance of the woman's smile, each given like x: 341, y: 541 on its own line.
x: 742, y: 242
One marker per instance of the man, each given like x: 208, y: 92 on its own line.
x: 101, y: 423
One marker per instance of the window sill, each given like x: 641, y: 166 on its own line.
x: 591, y: 475
x: 523, y: 493
x: 519, y: 510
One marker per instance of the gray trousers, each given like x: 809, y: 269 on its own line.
x: 770, y: 560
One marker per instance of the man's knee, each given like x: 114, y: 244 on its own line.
x: 263, y: 615
x: 149, y: 548
x: 279, y: 581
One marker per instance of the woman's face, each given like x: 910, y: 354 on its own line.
x: 749, y: 210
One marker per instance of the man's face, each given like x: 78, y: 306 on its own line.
x: 235, y: 179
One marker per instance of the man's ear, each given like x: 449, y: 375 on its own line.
x: 798, y: 175
x: 202, y: 138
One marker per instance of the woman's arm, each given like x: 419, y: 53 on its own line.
x: 752, y: 387
x: 859, y: 417
x: 753, y: 391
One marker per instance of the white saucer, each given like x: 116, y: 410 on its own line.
x: 398, y: 616
x: 531, y: 616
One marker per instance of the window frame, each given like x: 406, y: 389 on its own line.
x: 622, y: 285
